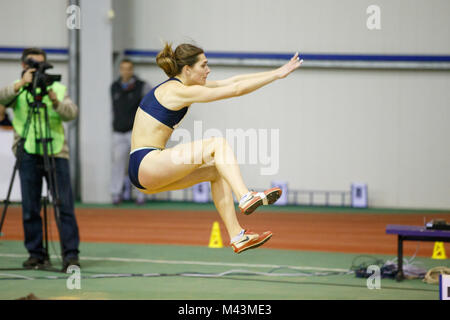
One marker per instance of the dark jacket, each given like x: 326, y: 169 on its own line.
x: 125, y: 103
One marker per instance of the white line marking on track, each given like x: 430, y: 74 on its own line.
x: 202, y: 263
x: 15, y: 276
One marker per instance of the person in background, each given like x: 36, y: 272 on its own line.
x: 126, y: 93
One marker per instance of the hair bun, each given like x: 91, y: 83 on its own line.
x: 172, y: 62
x: 166, y: 60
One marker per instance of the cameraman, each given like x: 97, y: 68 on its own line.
x: 31, y: 170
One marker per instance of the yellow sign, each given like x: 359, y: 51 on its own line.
x: 215, y: 241
x: 439, y: 251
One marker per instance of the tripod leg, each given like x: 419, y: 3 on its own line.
x: 20, y: 149
x: 47, y: 256
x: 6, y: 202
x: 53, y: 192
x: 19, y: 152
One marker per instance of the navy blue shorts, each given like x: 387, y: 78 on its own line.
x: 136, y: 157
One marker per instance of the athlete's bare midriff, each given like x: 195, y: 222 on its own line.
x: 149, y: 132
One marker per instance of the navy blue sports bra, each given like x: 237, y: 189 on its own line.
x: 152, y: 106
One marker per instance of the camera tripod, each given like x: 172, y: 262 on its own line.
x: 44, y: 143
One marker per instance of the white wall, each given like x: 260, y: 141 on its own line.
x: 386, y: 128
x: 33, y: 23
x: 329, y: 26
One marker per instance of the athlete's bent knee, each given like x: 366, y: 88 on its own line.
x: 211, y: 146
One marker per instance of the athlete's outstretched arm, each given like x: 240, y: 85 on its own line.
x: 238, y: 78
x: 234, y: 79
x: 186, y: 95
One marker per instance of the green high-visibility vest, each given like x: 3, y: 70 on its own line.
x: 56, y: 128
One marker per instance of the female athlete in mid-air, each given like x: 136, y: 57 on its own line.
x: 153, y: 168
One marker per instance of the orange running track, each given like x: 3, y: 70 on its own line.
x: 316, y: 231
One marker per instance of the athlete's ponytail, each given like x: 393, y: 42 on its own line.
x: 173, y: 62
x: 166, y: 60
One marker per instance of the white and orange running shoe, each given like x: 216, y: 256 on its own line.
x: 253, y: 200
x: 250, y: 240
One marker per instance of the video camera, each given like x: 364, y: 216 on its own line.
x: 40, y: 78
